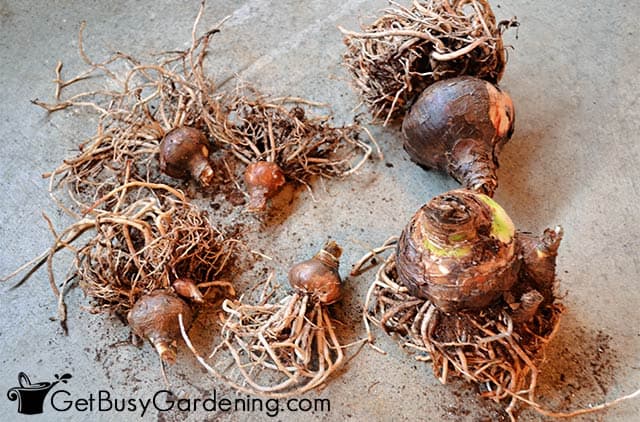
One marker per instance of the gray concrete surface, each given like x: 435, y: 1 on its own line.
x: 573, y: 75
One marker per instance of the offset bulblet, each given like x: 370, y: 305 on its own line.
x: 539, y: 255
x: 187, y: 288
x: 264, y: 179
x: 154, y: 317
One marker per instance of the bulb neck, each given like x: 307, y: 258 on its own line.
x: 473, y: 163
x: 452, y: 220
x: 166, y: 351
x: 257, y: 200
x: 329, y: 255
x: 201, y: 170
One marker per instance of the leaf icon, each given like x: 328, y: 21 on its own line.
x: 63, y: 378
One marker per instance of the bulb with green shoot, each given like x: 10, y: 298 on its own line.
x: 470, y: 290
x: 459, y: 251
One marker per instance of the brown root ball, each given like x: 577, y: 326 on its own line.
x: 459, y: 126
x: 184, y: 153
x: 155, y: 317
x: 459, y: 251
x: 263, y: 179
x: 319, y: 276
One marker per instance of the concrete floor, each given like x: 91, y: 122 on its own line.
x: 573, y: 161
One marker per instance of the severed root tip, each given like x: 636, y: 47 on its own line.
x: 473, y: 164
x: 188, y: 289
x: 550, y: 241
x: 166, y: 351
x: 528, y: 306
x: 539, y: 259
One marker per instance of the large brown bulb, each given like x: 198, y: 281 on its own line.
x: 459, y: 251
x: 459, y: 125
x: 155, y: 317
x: 184, y: 154
x: 319, y: 276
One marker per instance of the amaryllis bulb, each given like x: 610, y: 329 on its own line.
x: 155, y: 317
x: 459, y: 251
x: 263, y: 179
x: 459, y: 125
x: 184, y: 153
x: 319, y: 276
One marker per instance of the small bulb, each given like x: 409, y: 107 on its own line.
x: 184, y: 153
x: 263, y: 179
x: 319, y: 276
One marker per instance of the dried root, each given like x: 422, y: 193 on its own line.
x: 138, y: 105
x: 144, y: 241
x: 408, y: 48
x: 485, y: 348
x: 275, y: 349
x: 284, y: 131
x: 147, y: 246
x: 498, y: 349
x: 142, y: 102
